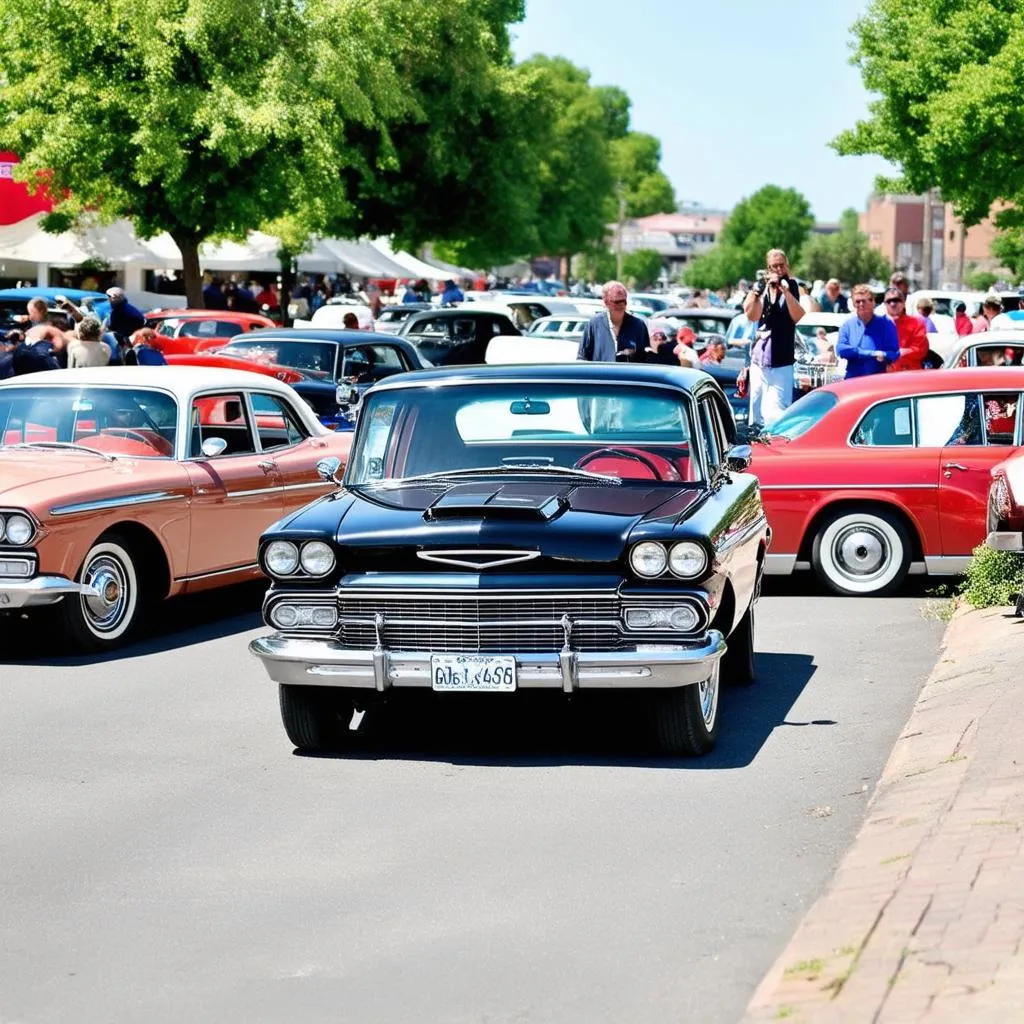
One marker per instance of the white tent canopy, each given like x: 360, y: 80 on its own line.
x: 364, y: 259
x: 416, y: 267
x: 112, y: 243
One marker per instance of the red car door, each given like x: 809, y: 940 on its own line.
x: 984, y: 428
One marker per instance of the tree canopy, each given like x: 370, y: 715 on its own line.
x: 642, y: 267
x: 636, y: 167
x: 949, y: 77
x: 847, y: 255
x: 772, y: 218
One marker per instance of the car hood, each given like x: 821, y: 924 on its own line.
x: 565, y: 522
x: 37, y: 479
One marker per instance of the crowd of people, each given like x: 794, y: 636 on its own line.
x: 120, y: 338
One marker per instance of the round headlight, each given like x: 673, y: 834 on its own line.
x: 687, y: 559
x: 281, y: 558
x: 20, y: 529
x: 317, y: 558
x: 648, y: 558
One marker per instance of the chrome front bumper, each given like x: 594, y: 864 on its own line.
x: 311, y: 662
x: 1005, y: 540
x: 39, y: 590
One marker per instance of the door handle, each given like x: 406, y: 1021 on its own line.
x: 950, y: 466
x: 266, y: 466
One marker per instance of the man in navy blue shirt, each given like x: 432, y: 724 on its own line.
x: 867, y: 342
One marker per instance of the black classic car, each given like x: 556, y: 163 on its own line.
x: 454, y: 337
x: 578, y: 527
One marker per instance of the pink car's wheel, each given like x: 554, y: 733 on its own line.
x: 104, y: 618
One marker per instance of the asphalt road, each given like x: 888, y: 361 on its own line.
x: 166, y: 857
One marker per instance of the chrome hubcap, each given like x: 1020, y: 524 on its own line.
x: 708, y: 690
x: 106, y: 607
x: 861, y: 552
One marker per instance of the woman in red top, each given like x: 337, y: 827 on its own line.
x: 912, y: 334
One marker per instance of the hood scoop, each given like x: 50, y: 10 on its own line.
x: 514, y: 501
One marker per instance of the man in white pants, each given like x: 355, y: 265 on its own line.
x: 774, y: 305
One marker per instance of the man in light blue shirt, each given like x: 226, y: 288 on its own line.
x: 867, y: 342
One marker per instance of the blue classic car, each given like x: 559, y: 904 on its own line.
x: 579, y: 527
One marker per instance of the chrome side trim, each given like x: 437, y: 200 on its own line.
x: 502, y: 557
x: 779, y: 565
x: 947, y: 565
x: 998, y: 540
x: 758, y: 524
x: 219, y: 572
x: 277, y: 490
x: 105, y: 504
x: 849, y: 487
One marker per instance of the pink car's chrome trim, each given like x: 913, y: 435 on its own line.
x: 122, y: 501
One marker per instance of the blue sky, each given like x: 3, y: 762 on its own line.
x: 702, y: 78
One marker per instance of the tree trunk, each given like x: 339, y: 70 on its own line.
x: 189, y: 248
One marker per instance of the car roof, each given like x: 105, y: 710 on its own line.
x: 896, y: 385
x: 630, y: 373
x: 180, y: 380
x: 49, y: 293
x: 209, y: 314
x: 476, y: 308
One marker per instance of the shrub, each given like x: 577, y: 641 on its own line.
x: 993, y: 577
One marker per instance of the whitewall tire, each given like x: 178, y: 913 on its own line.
x: 862, y: 553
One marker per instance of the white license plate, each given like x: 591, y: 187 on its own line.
x: 477, y: 673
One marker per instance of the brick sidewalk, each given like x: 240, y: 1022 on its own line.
x: 924, y: 919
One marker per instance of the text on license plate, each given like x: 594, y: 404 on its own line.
x: 472, y: 672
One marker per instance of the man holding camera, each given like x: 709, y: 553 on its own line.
x: 774, y: 305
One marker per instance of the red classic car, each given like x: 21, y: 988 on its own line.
x: 1006, y: 505
x: 196, y: 330
x: 869, y: 479
x: 120, y: 486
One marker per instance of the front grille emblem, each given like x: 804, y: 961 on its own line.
x: 476, y: 558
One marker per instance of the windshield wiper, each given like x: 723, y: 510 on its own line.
x: 525, y: 467
x: 62, y: 446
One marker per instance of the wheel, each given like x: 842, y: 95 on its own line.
x: 316, y: 718
x: 103, y: 621
x: 862, y: 552
x: 738, y: 662
x: 684, y: 721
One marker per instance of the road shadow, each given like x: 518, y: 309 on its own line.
x: 33, y: 638
x: 544, y: 729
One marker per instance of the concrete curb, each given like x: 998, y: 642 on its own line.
x: 924, y: 918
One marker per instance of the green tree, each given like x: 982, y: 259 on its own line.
x: 980, y: 280
x: 642, y: 268
x: 949, y: 79
x: 1008, y: 245
x: 772, y: 218
x: 595, y: 262
x: 847, y: 255
x: 636, y: 167
x: 200, y: 119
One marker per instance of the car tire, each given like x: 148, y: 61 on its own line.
x: 860, y: 553
x: 101, y: 624
x: 684, y: 721
x: 316, y: 718
x: 738, y: 661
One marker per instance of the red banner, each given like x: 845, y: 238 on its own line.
x: 15, y: 201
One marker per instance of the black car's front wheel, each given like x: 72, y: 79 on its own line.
x: 684, y: 721
x: 316, y: 718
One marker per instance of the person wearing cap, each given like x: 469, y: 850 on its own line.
x: 123, y: 318
x: 910, y: 333
x: 961, y: 321
x: 684, y: 351
x: 867, y: 342
x: 990, y: 309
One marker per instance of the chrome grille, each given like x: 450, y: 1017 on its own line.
x: 453, y: 625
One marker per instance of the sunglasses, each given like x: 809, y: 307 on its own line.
x: 894, y: 302
x: 616, y: 302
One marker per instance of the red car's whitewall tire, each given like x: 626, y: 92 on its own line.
x: 862, y: 552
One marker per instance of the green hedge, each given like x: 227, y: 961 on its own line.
x: 993, y: 577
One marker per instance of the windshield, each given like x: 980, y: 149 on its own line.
x: 802, y: 415
x: 313, y: 357
x: 629, y: 433
x: 116, y: 421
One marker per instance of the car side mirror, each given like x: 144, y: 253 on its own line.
x: 327, y: 469
x: 739, y: 458
x: 214, y: 446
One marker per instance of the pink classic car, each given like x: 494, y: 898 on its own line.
x: 121, y: 486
